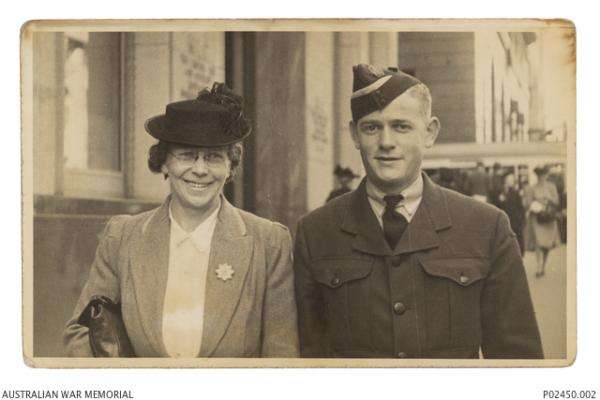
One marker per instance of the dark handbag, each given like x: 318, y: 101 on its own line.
x: 108, y: 337
x: 548, y: 214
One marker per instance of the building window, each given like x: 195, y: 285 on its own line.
x: 92, y: 134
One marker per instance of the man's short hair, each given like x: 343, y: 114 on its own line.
x: 422, y: 93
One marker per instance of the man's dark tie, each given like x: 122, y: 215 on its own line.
x: 394, y: 223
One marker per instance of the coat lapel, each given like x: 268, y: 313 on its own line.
x: 361, y: 221
x: 431, y: 217
x: 149, y: 270
x: 231, y: 246
x: 421, y: 234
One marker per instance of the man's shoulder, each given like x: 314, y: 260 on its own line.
x: 330, y: 212
x: 465, y: 207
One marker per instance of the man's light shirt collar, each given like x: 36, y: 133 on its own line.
x: 407, y: 207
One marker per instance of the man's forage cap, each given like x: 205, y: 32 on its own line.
x: 374, y: 88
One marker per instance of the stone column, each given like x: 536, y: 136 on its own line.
x: 149, y: 89
x: 294, y: 136
x: 383, y: 49
x: 164, y: 67
x: 319, y: 117
x: 350, y: 49
x: 536, y: 103
x: 48, y: 51
x: 280, y: 143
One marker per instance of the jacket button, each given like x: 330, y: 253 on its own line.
x: 463, y: 279
x: 399, y: 308
x: 402, y: 355
x: 335, y: 281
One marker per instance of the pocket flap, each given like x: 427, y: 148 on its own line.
x: 335, y: 272
x: 464, y: 271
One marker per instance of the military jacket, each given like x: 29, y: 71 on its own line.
x: 453, y: 287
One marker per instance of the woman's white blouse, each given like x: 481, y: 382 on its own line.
x: 183, y: 310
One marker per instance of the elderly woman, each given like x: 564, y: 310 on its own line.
x: 541, y: 202
x: 195, y: 277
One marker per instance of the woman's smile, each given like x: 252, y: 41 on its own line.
x: 196, y: 186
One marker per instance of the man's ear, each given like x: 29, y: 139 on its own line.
x: 354, y: 133
x: 433, y: 129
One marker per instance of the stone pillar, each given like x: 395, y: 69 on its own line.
x: 383, y: 49
x: 149, y: 89
x: 483, y: 86
x: 350, y: 49
x: 294, y: 135
x: 47, y: 112
x: 536, y: 103
x: 197, y: 60
x: 164, y: 67
x: 319, y: 117
x: 280, y: 142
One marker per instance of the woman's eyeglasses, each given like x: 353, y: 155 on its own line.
x: 212, y: 158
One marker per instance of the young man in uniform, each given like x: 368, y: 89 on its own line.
x: 401, y: 267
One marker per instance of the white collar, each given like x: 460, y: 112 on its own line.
x: 412, y: 196
x: 201, y: 236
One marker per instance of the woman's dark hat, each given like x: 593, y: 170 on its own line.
x: 214, y: 118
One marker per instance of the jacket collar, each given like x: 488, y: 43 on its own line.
x: 421, y: 234
x: 201, y: 236
x: 231, y: 245
x: 410, y: 203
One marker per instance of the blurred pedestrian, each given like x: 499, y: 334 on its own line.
x: 510, y: 201
x: 462, y: 179
x: 345, y: 176
x: 447, y: 178
x: 541, y: 202
x: 559, y: 180
x: 479, y: 183
x: 496, y: 184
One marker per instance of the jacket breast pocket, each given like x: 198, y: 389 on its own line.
x: 452, y: 301
x: 345, y: 287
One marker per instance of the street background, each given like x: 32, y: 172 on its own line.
x: 503, y: 98
x: 549, y: 295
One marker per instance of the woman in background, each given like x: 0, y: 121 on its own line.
x: 541, y: 202
x: 509, y: 200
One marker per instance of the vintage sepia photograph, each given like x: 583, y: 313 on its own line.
x: 299, y: 193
